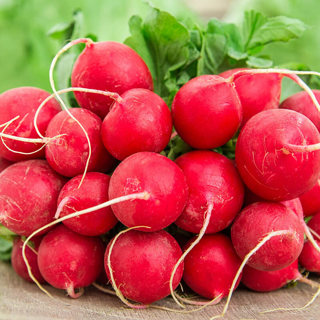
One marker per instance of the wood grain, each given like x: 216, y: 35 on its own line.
x: 20, y: 300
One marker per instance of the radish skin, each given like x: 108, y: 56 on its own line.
x: 108, y: 66
x: 68, y: 260
x: 18, y: 263
x: 161, y: 178
x: 280, y: 251
x: 93, y: 191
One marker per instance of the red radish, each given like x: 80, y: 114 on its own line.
x: 273, y: 152
x: 265, y: 281
x: 28, y: 196
x: 93, y: 191
x: 211, y: 266
x: 257, y: 92
x: 142, y: 263
x: 212, y: 178
x: 310, y: 257
x: 69, y: 153
x: 310, y: 200
x: 108, y: 66
x: 18, y: 263
x: 293, y: 204
x: 206, y: 112
x: 140, y: 122
x: 259, y: 219
x: 161, y: 178
x: 301, y: 102
x: 4, y: 164
x: 68, y: 260
x: 24, y: 102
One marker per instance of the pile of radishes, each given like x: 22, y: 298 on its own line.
x: 69, y: 176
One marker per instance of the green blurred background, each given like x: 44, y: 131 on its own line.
x: 27, y: 50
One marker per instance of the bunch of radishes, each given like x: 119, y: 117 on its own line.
x: 277, y: 160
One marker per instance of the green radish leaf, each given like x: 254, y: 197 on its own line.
x: 165, y: 45
x: 259, y: 30
x: 259, y: 62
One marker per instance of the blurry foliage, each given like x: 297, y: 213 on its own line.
x: 26, y: 50
x: 306, y: 49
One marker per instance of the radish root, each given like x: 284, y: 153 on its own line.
x: 114, y: 285
x: 245, y: 260
x: 141, y: 195
x: 194, y: 243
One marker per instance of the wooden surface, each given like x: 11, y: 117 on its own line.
x: 20, y: 300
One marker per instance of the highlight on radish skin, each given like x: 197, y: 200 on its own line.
x: 68, y: 154
x: 18, y: 263
x: 141, y: 264
x: 23, y: 102
x: 280, y: 251
x: 93, y: 191
x: 28, y: 196
x: 108, y: 66
x: 161, y: 178
x: 212, y: 179
x: 70, y: 261
x: 283, y: 150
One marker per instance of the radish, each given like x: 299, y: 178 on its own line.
x: 211, y: 266
x: 258, y: 220
x: 301, y: 102
x: 310, y: 257
x: 141, y: 121
x: 68, y: 154
x: 93, y: 191
x: 274, y: 150
x: 4, y: 164
x: 161, y: 178
x: 28, y: 196
x: 139, y: 264
x: 22, y: 103
x: 212, y: 179
x: 18, y: 263
x: 108, y: 66
x: 206, y: 112
x: 310, y: 200
x: 293, y: 204
x: 257, y: 92
x: 266, y: 281
x: 70, y: 261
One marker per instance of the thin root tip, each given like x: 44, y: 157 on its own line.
x: 146, y: 196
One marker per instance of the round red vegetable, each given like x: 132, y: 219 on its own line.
x: 68, y: 154
x: 19, y: 265
x: 210, y: 267
x: 29, y: 192
x: 142, y: 264
x: 140, y: 122
x: 272, y: 154
x: 108, y: 66
x: 212, y: 179
x: 207, y: 112
x: 68, y: 260
x: 24, y: 102
x: 161, y: 178
x: 93, y: 191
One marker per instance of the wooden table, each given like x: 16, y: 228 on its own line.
x: 20, y: 300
